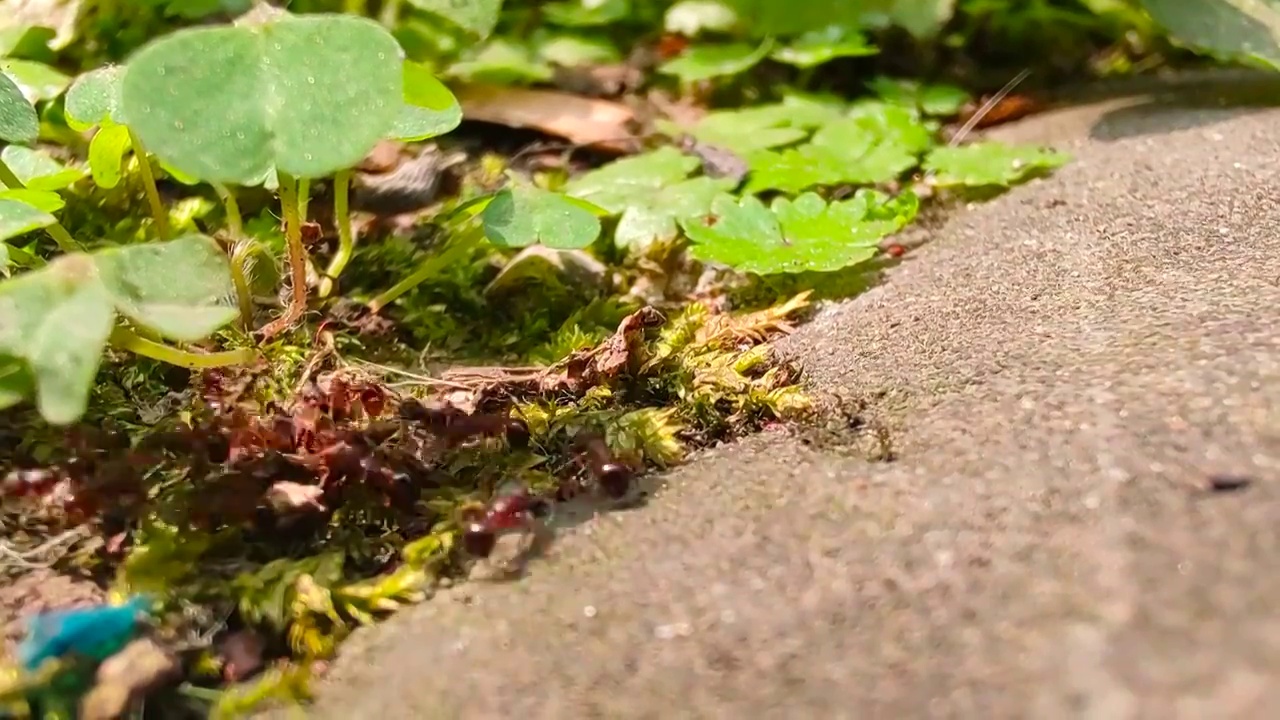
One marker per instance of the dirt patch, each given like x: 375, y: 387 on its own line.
x: 37, y: 591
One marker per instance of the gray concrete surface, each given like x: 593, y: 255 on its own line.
x: 1060, y: 370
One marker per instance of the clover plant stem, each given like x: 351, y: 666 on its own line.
x: 346, y: 241
x: 390, y: 15
x: 149, y: 184
x: 56, y: 230
x: 304, y: 197
x: 127, y: 339
x: 433, y: 265
x: 289, y: 205
x: 244, y: 295
x: 235, y: 223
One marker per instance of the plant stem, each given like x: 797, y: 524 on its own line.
x: 355, y: 7
x: 390, y: 13
x: 56, y: 231
x: 346, y: 241
x: 244, y: 294
x: 127, y: 339
x: 297, y: 258
x: 433, y: 265
x: 149, y: 183
x: 304, y: 197
x: 235, y: 224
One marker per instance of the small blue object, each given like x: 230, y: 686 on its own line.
x: 94, y: 633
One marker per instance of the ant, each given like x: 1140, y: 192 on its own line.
x: 456, y: 426
x: 515, y: 511
x: 613, y: 477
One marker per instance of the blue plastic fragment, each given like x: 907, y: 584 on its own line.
x: 94, y: 633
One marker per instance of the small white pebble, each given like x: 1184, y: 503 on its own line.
x: 589, y: 611
x: 1092, y: 502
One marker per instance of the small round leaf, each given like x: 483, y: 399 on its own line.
x: 526, y: 215
x: 65, y: 352
x: 18, y: 218
x: 305, y: 95
x: 94, y: 97
x: 430, y: 109
x: 106, y: 153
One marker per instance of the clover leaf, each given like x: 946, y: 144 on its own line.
x: 477, y: 17
x: 817, y: 47
x: 806, y: 234
x: 54, y: 322
x: 106, y: 154
x: 430, y: 108
x: 524, y: 215
x: 94, y: 97
x: 934, y: 99
x: 586, y: 13
x: 692, y: 17
x: 18, y: 120
x: 45, y: 200
x: 503, y: 62
x: 990, y: 164
x: 36, y: 80
x: 305, y: 95
x: 37, y: 170
x: 650, y: 192
x: 18, y: 218
x: 704, y: 62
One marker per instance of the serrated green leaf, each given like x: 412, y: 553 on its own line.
x: 650, y: 192
x: 990, y: 163
x: 795, y: 169
x: 36, y: 80
x: 704, y: 62
x: 94, y: 97
x: 430, y: 108
x: 43, y: 200
x: 307, y: 95
x: 522, y: 216
x: 940, y: 100
x: 477, y: 17
x: 37, y: 170
x: 18, y: 218
x: 18, y: 121
x: 180, y: 289
x: 818, y: 47
x: 65, y: 352
x: 802, y: 235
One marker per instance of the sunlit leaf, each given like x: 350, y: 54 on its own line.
x: 18, y: 218
x: 585, y: 13
x: 477, y: 17
x: 822, y: 46
x: 502, y: 62
x: 524, y: 215
x: 106, y: 154
x: 18, y: 121
x: 37, y: 170
x: 703, y: 62
x: 990, y: 163
x: 430, y: 108
x: 94, y: 97
x: 36, y: 80
x: 44, y: 200
x: 693, y: 17
x: 1230, y: 28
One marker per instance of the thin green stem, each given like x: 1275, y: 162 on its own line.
x: 355, y: 7
x: 149, y: 183
x: 56, y: 230
x: 235, y: 223
x: 390, y: 13
x: 304, y: 197
x: 239, y: 278
x: 433, y: 265
x: 346, y: 241
x: 126, y: 339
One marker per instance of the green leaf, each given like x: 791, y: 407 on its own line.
x: 650, y: 193
x: 796, y: 169
x: 16, y: 383
x: 746, y: 131
x: 94, y: 97
x: 922, y: 18
x: 783, y: 19
x: 822, y: 46
x: 44, y: 200
x: 306, y: 95
x: 802, y: 235
x: 25, y: 41
x: 18, y: 121
x: 4, y: 258
x: 938, y: 100
x: 180, y: 289
x: 585, y: 13
x: 106, y: 154
x: 19, y: 218
x: 477, y: 17
x: 430, y: 108
x: 502, y: 62
x: 37, y: 170
x: 990, y: 163
x: 36, y: 80
x: 1231, y: 28
x: 703, y: 62
x: 522, y: 216
x: 65, y: 352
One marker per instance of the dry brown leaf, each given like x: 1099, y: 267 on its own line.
x: 602, y: 124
